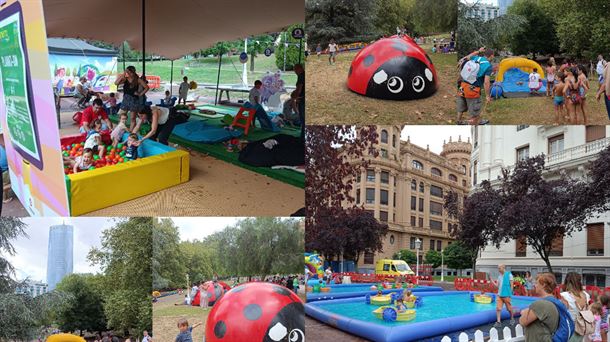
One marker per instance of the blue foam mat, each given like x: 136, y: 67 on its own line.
x: 199, y: 131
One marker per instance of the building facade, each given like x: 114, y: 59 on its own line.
x: 404, y: 186
x: 568, y: 149
x: 483, y: 11
x: 60, y: 253
x: 32, y: 288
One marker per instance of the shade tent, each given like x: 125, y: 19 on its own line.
x: 172, y: 28
x: 77, y: 47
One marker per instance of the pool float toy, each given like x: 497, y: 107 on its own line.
x: 325, y: 289
x: 65, y: 338
x: 390, y: 314
x: 315, y: 265
x: 257, y: 312
x: 393, y: 68
x: 379, y: 300
x: 482, y: 298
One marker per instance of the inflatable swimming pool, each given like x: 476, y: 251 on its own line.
x: 388, y: 313
x: 360, y: 290
x: 443, y: 313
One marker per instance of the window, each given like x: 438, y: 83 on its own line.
x: 412, y: 243
x: 521, y: 246
x: 436, y: 208
x: 598, y: 280
x: 522, y: 127
x: 421, y: 222
x: 383, y: 216
x: 413, y: 184
x: 358, y: 176
x: 391, y: 239
x: 436, y: 191
x: 476, y: 136
x: 394, y: 181
x: 393, y: 140
x: 384, y: 197
x: 417, y: 165
x: 421, y: 205
x: 413, y: 218
x: 394, y: 199
x: 439, y: 245
x: 595, y: 133
x: 556, y: 144
x: 384, y: 153
x: 453, y: 177
x: 463, y: 169
x: 463, y: 182
x: 413, y: 203
x: 384, y: 136
x: 523, y: 153
x: 358, y: 196
x: 557, y: 246
x: 385, y: 177
x: 432, y: 244
x: 436, y: 172
x: 370, y: 195
x: 370, y: 175
x: 436, y: 225
x: 421, y: 187
x: 474, y: 173
x: 595, y: 239
x: 369, y: 258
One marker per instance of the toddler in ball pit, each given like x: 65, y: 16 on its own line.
x: 131, y: 152
x: 119, y: 130
x: 94, y: 139
x: 84, y: 162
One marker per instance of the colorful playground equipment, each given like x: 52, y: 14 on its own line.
x: 393, y: 68
x: 315, y: 265
x: 256, y: 312
x: 65, y: 338
x: 513, y: 75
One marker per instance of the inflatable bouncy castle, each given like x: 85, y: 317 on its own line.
x: 513, y: 75
x: 315, y: 265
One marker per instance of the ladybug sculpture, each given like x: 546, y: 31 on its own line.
x: 394, y: 68
x: 258, y: 312
x: 215, y: 292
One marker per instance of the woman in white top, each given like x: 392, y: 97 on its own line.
x: 161, y: 121
x: 574, y: 298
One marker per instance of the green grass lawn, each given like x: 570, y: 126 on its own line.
x: 205, y: 70
x: 166, y: 315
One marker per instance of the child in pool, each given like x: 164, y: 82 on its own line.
x: 84, y: 162
x: 379, y: 293
x: 131, y: 152
x: 558, y: 99
x: 400, y: 306
x: 408, y: 297
x: 94, y: 139
x: 119, y: 130
x: 596, y: 309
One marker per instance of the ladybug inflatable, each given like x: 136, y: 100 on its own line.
x: 394, y: 68
x: 215, y: 292
x: 258, y: 312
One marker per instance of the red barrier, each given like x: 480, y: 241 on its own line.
x: 154, y: 82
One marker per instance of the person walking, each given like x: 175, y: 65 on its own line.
x: 475, y: 73
x: 332, y: 52
x: 505, y: 293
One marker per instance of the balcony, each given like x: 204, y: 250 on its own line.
x: 579, y: 151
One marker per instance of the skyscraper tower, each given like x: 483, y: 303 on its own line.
x: 60, y: 254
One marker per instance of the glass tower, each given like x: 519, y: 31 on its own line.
x: 60, y: 254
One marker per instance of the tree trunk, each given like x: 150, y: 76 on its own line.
x: 548, y: 264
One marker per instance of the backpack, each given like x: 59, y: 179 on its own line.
x: 470, y: 71
x: 565, y: 328
x: 584, y: 321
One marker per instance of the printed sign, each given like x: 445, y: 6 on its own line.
x: 298, y: 33
x: 243, y: 57
x: 268, y: 52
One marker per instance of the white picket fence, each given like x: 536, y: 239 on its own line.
x: 493, y: 336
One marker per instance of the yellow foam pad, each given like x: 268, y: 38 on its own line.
x: 107, y: 186
x: 527, y: 65
x: 65, y: 338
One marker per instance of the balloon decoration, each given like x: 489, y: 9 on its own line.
x: 258, y: 312
x: 394, y: 68
x: 272, y: 83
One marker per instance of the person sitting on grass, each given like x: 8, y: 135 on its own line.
x: 185, y: 330
x: 400, y: 306
x: 434, y: 48
x: 84, y: 162
x: 534, y: 82
x: 291, y: 109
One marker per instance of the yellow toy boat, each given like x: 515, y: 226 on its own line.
x: 482, y: 299
x: 381, y: 300
x: 400, y: 316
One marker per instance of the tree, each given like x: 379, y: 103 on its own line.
x: 458, y: 256
x: 361, y: 233
x: 167, y: 262
x: 125, y: 258
x: 394, y: 13
x: 10, y: 229
x: 435, y: 16
x: 433, y: 257
x: 84, y: 310
x: 292, y: 51
x: 537, y: 35
x: 342, y: 20
x: 407, y: 255
x: 598, y: 189
x: 257, y: 45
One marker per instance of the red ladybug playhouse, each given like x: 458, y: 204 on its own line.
x: 393, y: 68
x: 258, y: 312
x: 215, y: 292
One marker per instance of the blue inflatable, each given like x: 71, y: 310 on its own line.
x: 516, y: 81
x: 496, y: 90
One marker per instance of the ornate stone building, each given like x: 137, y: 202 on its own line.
x: 404, y: 186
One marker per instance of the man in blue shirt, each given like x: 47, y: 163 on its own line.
x: 473, y: 104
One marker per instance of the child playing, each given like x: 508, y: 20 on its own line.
x: 183, y: 90
x: 583, y: 87
x: 85, y: 161
x: 290, y: 110
x: 167, y: 99
x: 94, y: 139
x: 379, y: 293
x: 185, y: 330
x: 131, y: 152
x: 119, y: 130
x: 400, y: 306
x: 596, y: 309
x: 572, y: 94
x: 558, y: 98
x: 534, y: 82
x: 111, y: 105
x: 603, y: 300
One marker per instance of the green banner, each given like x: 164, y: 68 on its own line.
x: 13, y: 74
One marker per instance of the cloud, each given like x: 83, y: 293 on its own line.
x: 199, y: 227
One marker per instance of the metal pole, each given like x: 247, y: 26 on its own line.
x: 285, y: 47
x: 300, y: 49
x: 245, y: 68
x: 442, y: 266
x: 218, y: 79
x: 123, y: 56
x: 143, y: 37
x: 171, y: 79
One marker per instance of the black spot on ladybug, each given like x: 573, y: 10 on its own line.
x: 282, y: 291
x: 220, y: 329
x: 291, y: 317
x: 368, y: 61
x: 253, y: 312
x: 400, y: 45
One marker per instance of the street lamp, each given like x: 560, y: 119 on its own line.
x: 417, y: 247
x: 442, y: 266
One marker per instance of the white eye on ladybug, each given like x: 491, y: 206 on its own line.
x: 278, y: 332
x: 395, y: 84
x: 296, y: 335
x: 418, y: 84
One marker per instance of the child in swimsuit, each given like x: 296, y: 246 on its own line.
x: 400, y: 306
x: 558, y: 98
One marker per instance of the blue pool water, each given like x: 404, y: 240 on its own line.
x: 434, y: 308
